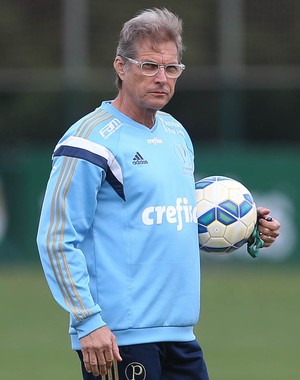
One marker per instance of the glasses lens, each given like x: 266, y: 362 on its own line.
x: 149, y: 68
x: 173, y: 71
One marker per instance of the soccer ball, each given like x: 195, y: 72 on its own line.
x: 226, y: 214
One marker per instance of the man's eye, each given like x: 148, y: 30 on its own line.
x: 172, y: 69
x: 149, y: 66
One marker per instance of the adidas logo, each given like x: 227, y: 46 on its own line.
x: 139, y: 160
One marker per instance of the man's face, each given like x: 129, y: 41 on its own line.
x: 150, y: 92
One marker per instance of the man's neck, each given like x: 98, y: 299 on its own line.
x: 144, y: 117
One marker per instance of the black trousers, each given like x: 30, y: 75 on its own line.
x: 156, y: 361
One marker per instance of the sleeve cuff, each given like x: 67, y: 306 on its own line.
x: 88, y: 325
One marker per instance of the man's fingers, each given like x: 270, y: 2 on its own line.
x: 99, y: 363
x: 109, y: 358
x: 115, y: 350
x: 86, y: 361
x: 95, y: 364
x: 99, y: 350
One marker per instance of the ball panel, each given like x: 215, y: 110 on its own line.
x: 245, y: 207
x: 230, y: 207
x: 249, y: 198
x: 215, y: 193
x: 250, y: 230
x: 225, y: 217
x: 250, y: 217
x: 201, y: 229
x: 216, y: 229
x: 236, y: 195
x: 205, y: 236
x: 203, y: 184
x: 207, y: 218
x: 235, y: 233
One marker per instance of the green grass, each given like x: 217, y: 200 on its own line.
x: 34, y: 342
x: 249, y: 327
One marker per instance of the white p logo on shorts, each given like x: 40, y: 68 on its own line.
x: 135, y: 371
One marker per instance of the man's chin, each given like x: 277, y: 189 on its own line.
x: 158, y: 105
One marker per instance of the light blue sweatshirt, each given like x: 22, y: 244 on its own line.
x: 118, y: 236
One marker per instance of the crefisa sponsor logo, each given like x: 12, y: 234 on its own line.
x: 180, y: 213
x: 155, y: 141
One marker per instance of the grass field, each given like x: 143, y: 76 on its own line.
x: 249, y: 327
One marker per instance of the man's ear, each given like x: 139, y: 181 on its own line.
x: 119, y: 66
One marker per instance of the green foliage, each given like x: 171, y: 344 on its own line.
x: 30, y: 33
x: 249, y: 328
x: 37, y: 104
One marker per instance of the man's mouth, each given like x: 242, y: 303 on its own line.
x: 158, y: 92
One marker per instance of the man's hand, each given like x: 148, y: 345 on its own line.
x: 99, y: 349
x: 268, y: 227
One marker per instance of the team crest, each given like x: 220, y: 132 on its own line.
x: 135, y: 371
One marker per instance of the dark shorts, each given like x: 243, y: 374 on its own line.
x: 157, y: 361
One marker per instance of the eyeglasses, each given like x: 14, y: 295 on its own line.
x: 172, y: 70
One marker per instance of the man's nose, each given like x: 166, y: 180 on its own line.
x: 161, y: 75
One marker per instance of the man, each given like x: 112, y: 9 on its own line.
x: 117, y: 236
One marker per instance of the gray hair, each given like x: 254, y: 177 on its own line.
x: 159, y: 25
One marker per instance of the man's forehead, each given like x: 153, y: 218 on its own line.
x: 162, y: 50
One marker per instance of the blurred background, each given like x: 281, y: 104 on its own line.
x: 238, y: 98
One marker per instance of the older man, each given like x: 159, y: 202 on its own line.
x: 117, y: 237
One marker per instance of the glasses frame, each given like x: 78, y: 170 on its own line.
x: 181, y: 66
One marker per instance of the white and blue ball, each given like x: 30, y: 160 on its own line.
x: 226, y: 214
